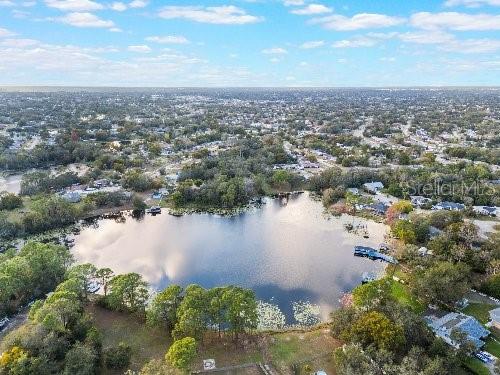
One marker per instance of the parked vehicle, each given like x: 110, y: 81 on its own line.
x: 3, y: 323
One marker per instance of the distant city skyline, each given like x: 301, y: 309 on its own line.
x: 250, y: 43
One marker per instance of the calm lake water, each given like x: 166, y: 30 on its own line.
x: 285, y: 253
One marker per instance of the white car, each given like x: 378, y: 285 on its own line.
x: 485, y: 357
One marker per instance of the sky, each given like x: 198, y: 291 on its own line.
x: 304, y: 43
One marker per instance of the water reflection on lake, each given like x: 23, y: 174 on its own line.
x: 285, y: 253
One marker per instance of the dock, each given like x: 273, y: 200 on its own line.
x: 371, y: 253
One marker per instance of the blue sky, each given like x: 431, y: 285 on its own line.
x: 250, y: 42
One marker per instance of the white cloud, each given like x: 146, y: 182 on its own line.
x: 455, y: 21
x: 138, y: 4
x: 472, y: 3
x: 139, y: 49
x: 312, y: 9
x: 7, y: 3
x: 426, y: 37
x: 358, y: 21
x: 449, y: 43
x: 168, y: 39
x: 39, y: 63
x: 274, y: 60
x: 119, y: 6
x: 312, y: 44
x: 74, y: 5
x: 225, y: 15
x: 275, y: 51
x: 4, y: 33
x: 289, y: 3
x: 472, y: 46
x: 355, y: 43
x: 19, y: 43
x: 85, y: 20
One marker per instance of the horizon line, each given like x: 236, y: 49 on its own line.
x: 13, y: 87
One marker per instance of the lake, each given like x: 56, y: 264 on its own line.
x: 285, y: 253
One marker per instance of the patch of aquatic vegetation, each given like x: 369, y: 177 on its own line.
x: 270, y: 316
x: 306, y: 313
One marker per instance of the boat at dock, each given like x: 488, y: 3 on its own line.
x: 371, y: 253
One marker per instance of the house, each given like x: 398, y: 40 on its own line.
x: 485, y: 210
x: 449, y: 206
x: 445, y: 325
x: 373, y: 187
x: 419, y: 201
x: 378, y: 208
x: 495, y: 318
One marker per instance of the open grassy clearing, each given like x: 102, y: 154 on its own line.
x: 476, y: 366
x: 480, y: 311
x: 280, y: 350
x: 402, y: 294
x: 146, y: 343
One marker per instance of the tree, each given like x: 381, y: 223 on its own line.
x: 444, y: 282
x: 492, y: 286
x: 465, y: 346
x: 10, y: 201
x: 192, y: 317
x: 241, y: 309
x: 138, y: 204
x: 59, y: 312
x: 217, y: 308
x: 405, y: 231
x: 373, y: 294
x: 35, y: 270
x: 403, y: 206
x: 104, y: 275
x: 128, y: 292
x: 352, y: 360
x: 118, y: 357
x: 182, y: 353
x: 80, y: 360
x: 375, y: 328
x: 341, y: 320
x: 163, y: 309
x: 86, y: 273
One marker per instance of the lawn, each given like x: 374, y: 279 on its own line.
x: 476, y: 366
x: 311, y: 350
x: 280, y: 350
x: 116, y: 327
x: 402, y: 294
x: 493, y: 346
x: 480, y: 311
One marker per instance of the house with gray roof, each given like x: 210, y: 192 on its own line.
x: 449, y: 206
x: 373, y: 187
x: 445, y: 325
